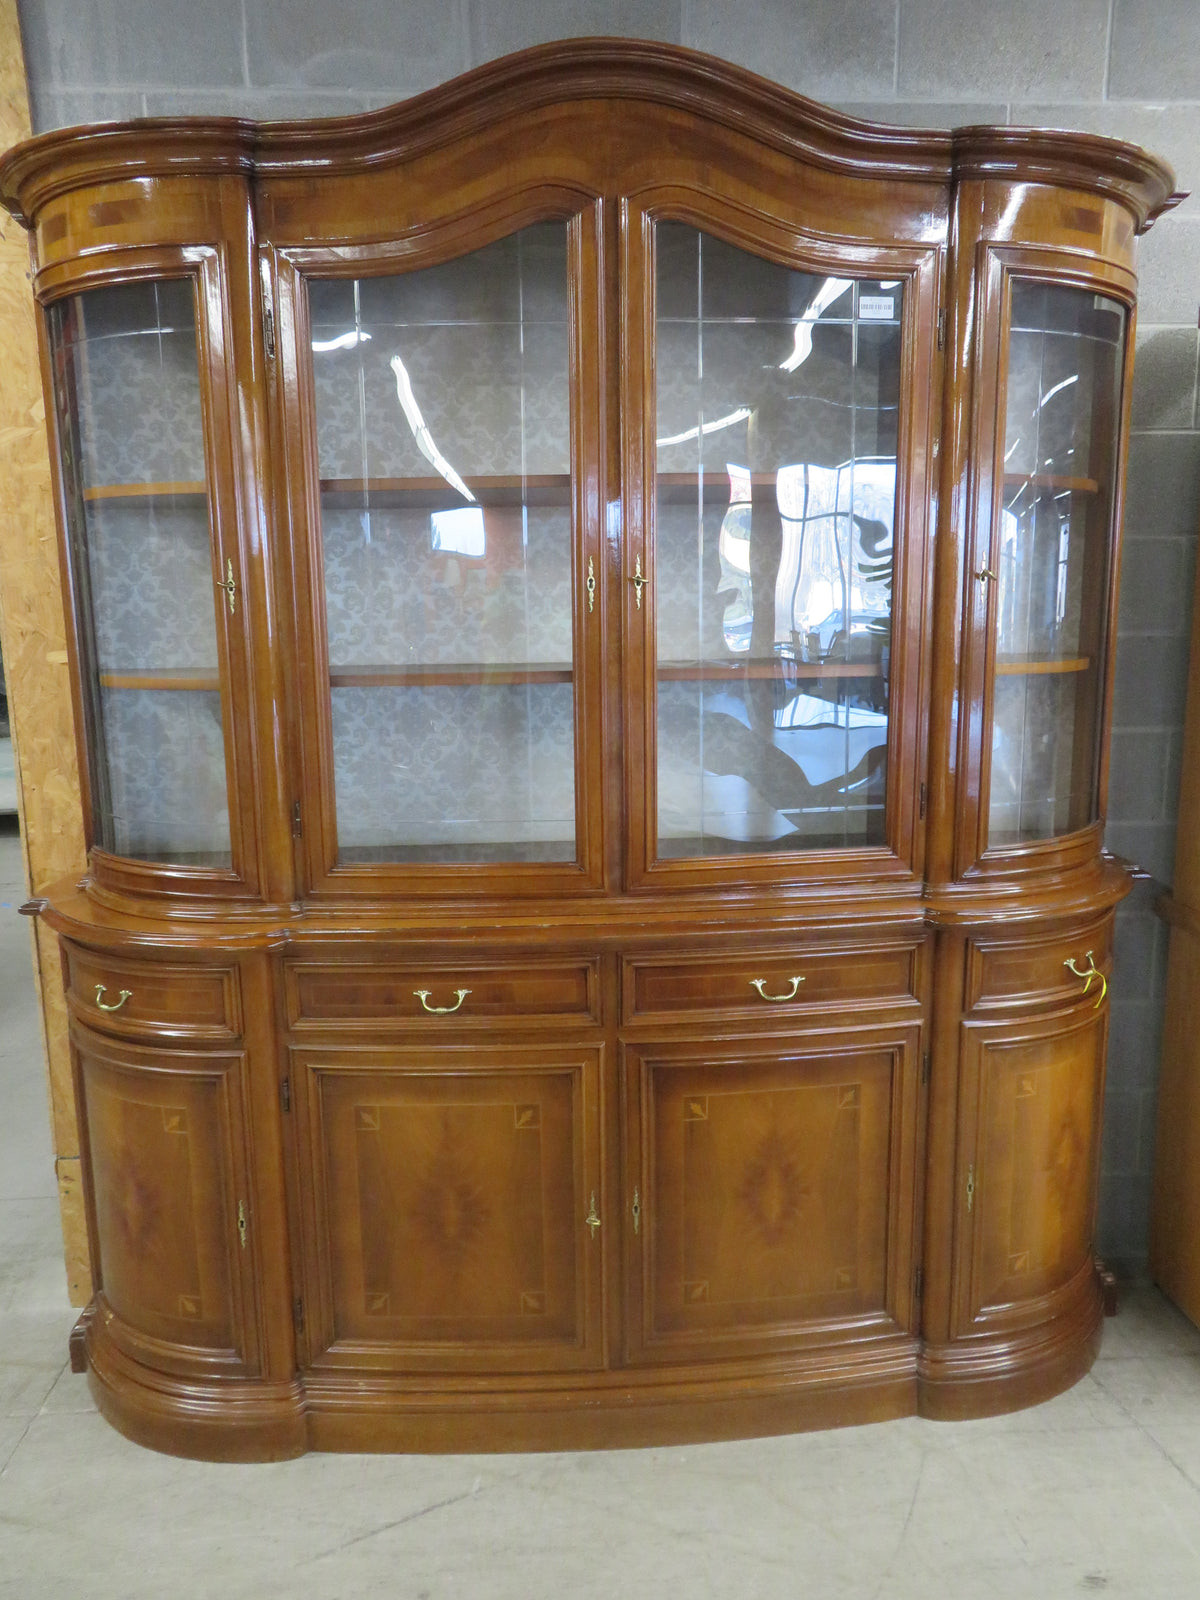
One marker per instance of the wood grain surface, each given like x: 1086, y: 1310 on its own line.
x: 33, y: 645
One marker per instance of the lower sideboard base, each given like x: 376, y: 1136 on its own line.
x: 988, y: 1377
x: 250, y: 1419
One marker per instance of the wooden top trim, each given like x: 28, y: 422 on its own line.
x: 568, y: 71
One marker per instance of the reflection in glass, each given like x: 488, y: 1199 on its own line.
x: 443, y: 433
x: 777, y: 406
x: 1063, y: 398
x: 127, y: 391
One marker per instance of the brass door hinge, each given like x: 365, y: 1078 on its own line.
x: 926, y: 1066
x: 922, y: 800
x: 918, y: 1283
x: 298, y: 1314
x: 285, y: 1094
x: 941, y: 328
x: 297, y: 829
x: 269, y: 331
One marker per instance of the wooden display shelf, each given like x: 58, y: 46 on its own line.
x: 771, y: 668
x: 160, y: 678
x: 388, y: 675
x: 435, y: 494
x: 1031, y: 667
x: 147, y: 491
x: 1053, y: 481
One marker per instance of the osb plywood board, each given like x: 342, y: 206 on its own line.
x: 33, y: 641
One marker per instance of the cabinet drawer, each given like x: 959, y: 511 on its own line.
x: 408, y: 995
x: 761, y: 982
x: 153, y: 998
x: 1033, y: 969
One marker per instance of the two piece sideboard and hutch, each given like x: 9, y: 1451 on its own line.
x: 591, y: 598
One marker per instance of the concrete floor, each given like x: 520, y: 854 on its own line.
x: 1096, y: 1492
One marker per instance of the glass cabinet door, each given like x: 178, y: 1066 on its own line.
x: 443, y: 421
x: 776, y: 444
x: 1050, y: 559
x: 131, y: 433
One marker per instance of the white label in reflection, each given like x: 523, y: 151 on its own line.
x: 876, y: 307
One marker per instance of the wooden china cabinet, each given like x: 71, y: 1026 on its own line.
x: 592, y: 597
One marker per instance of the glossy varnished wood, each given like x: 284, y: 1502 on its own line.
x: 601, y: 1187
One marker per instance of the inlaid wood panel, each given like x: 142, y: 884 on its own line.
x: 1033, y: 1094
x: 449, y: 1198
x: 770, y: 1187
x: 168, y: 1192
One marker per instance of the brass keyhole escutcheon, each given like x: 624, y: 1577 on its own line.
x: 639, y: 582
x: 592, y: 1220
x: 229, y: 587
x: 591, y: 584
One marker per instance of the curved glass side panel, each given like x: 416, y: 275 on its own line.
x: 131, y: 439
x: 1065, y: 363
x: 443, y: 432
x: 777, y: 408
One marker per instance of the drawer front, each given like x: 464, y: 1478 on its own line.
x: 758, y: 983
x: 1035, y: 970
x: 409, y: 996
x: 154, y: 998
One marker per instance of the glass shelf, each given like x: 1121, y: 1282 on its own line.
x: 384, y: 675
x: 160, y: 678
x: 1053, y: 482
x: 381, y: 494
x: 145, y: 491
x: 1026, y: 669
x: 768, y: 671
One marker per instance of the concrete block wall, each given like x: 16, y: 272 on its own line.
x: 1130, y: 68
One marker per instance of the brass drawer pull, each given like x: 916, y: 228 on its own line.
x: 440, y: 1011
x: 101, y: 988
x: 761, y: 985
x: 1089, y: 972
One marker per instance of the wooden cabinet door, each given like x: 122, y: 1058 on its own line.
x: 1029, y: 1138
x: 446, y: 1197
x: 770, y: 1190
x: 172, y: 1225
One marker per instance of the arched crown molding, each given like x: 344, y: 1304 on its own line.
x: 564, y: 72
